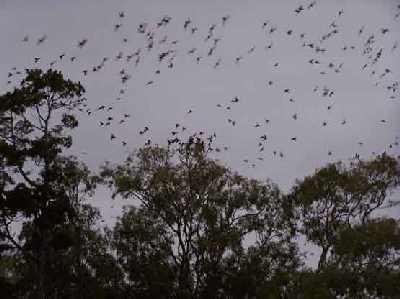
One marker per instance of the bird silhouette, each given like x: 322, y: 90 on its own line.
x: 225, y: 19
x: 41, y: 40
x: 187, y: 23
x: 82, y: 43
x: 299, y: 9
x: 117, y: 27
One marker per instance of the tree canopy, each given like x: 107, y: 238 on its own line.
x: 192, y: 227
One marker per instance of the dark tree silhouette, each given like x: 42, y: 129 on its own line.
x: 194, y: 228
x: 199, y: 229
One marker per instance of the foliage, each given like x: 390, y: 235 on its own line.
x: 194, y: 219
x: 39, y: 187
x: 194, y: 229
x: 337, y: 197
x: 360, y: 252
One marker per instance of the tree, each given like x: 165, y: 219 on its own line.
x: 199, y: 230
x: 370, y: 252
x: 195, y: 228
x: 360, y: 254
x: 37, y: 183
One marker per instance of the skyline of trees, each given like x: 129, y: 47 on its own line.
x: 198, y: 230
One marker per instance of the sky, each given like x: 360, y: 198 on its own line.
x: 278, y: 75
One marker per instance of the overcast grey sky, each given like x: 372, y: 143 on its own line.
x: 198, y: 86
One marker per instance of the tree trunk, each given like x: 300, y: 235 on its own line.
x: 322, y: 258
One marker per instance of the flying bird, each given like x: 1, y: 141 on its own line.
x: 41, y: 40
x: 82, y: 43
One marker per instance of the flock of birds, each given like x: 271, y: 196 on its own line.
x: 168, y: 51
